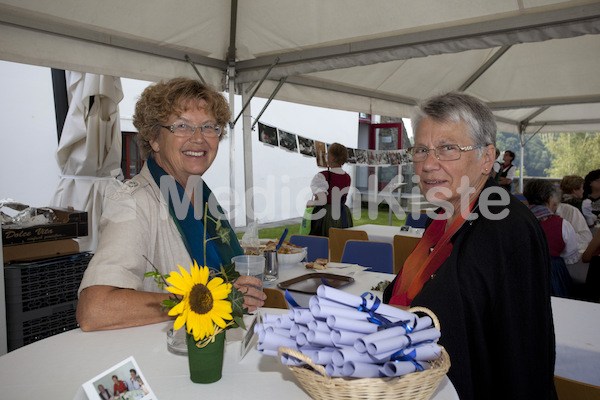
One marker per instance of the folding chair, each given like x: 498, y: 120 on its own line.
x: 318, y: 246
x: 275, y: 298
x: 568, y: 389
x: 378, y: 256
x: 403, y: 246
x: 338, y: 238
x: 418, y: 222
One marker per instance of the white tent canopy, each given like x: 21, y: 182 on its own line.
x: 535, y: 62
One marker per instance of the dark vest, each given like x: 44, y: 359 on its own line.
x: 553, y: 228
x: 336, y: 181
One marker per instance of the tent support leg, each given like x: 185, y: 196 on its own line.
x: 247, y: 103
x: 188, y: 59
x: 281, y: 82
x: 248, y: 171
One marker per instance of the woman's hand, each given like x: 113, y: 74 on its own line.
x: 251, y: 287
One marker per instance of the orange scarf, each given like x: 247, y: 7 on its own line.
x: 424, y: 262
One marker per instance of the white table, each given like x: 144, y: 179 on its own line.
x: 385, y: 233
x: 577, y: 330
x: 54, y: 368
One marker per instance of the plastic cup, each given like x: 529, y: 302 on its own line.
x: 250, y: 265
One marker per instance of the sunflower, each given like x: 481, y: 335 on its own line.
x: 204, y: 301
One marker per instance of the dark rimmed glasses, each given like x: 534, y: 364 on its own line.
x: 446, y: 152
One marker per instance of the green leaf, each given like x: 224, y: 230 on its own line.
x: 228, y: 273
x: 239, y: 322
x: 236, y: 298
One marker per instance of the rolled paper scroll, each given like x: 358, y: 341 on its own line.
x: 302, y: 316
x: 301, y: 339
x: 323, y: 301
x: 319, y: 338
x: 421, y: 352
x: 323, y: 356
x: 297, y: 328
x: 360, y: 370
x: 402, y: 342
x: 344, y: 338
x: 317, y: 325
x: 341, y: 323
x: 284, y: 322
x: 272, y: 353
x: 339, y: 296
x: 324, y: 311
x: 333, y: 371
x: 270, y: 318
x: 399, y: 368
x: 279, y: 331
x: 361, y: 344
x: 341, y: 356
x: 273, y: 341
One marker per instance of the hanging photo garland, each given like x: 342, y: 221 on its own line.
x: 275, y: 137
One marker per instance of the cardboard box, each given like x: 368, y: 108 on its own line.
x: 71, y: 224
x: 40, y: 250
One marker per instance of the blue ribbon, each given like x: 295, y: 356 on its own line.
x: 400, y: 355
x: 290, y: 299
x: 373, y: 316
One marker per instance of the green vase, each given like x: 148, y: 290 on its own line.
x: 206, y: 363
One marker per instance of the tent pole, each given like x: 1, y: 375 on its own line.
x: 247, y: 104
x: 521, y: 136
x: 231, y: 89
x: 189, y: 60
x: 281, y: 82
x: 248, y: 172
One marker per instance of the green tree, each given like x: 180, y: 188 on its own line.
x: 537, y: 157
x: 572, y: 153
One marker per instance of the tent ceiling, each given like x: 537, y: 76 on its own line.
x: 533, y: 61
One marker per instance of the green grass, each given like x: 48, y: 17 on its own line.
x: 381, y: 219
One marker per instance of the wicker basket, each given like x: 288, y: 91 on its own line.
x: 414, y: 386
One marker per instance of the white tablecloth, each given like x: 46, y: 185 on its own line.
x: 386, y: 233
x: 577, y: 329
x: 54, y: 368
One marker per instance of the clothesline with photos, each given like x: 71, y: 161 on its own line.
x: 291, y: 142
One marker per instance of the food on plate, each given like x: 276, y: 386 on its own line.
x: 319, y: 263
x: 381, y: 286
x: 286, y: 248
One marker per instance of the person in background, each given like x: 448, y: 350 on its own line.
x: 120, y: 387
x: 142, y: 386
x: 488, y: 286
x: 593, y: 249
x: 506, y: 171
x: 330, y: 190
x: 133, y: 380
x: 104, y: 393
x: 572, y: 193
x: 150, y: 222
x: 591, y: 190
x: 497, y: 167
x: 543, y: 198
x: 577, y: 221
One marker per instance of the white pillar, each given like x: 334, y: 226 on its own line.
x: 248, y: 170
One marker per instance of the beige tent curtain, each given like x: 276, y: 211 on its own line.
x: 89, y: 151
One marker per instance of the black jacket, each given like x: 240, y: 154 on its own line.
x: 492, y: 297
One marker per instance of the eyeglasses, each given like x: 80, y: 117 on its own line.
x: 447, y: 152
x: 183, y: 129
